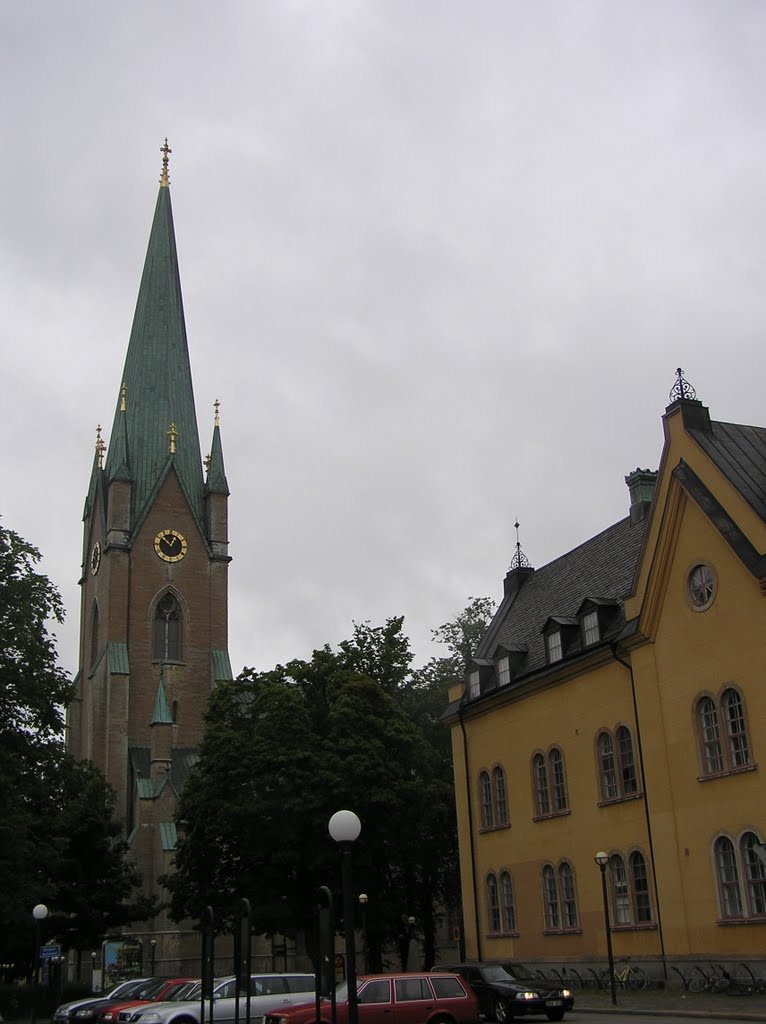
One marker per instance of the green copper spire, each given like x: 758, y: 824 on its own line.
x: 216, y: 475
x: 160, y: 423
x: 162, y: 715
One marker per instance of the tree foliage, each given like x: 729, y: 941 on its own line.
x: 284, y: 750
x: 59, y: 841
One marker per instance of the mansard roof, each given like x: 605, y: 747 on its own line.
x: 602, y: 567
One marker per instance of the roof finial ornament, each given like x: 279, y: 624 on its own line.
x: 100, y: 447
x: 682, y: 388
x: 207, y: 460
x: 519, y: 560
x: 123, y: 394
x: 217, y: 406
x: 166, y: 151
x: 172, y: 434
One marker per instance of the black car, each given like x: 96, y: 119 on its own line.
x: 509, y: 990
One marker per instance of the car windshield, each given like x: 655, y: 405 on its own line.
x: 182, y: 992
x: 519, y: 971
x: 495, y: 972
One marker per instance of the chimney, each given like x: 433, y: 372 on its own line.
x: 641, y: 483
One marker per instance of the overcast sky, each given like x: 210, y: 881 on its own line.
x: 440, y: 262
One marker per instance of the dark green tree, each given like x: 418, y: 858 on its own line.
x: 284, y: 750
x: 59, y: 842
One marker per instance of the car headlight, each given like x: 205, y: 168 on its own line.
x: 150, y: 1017
x: 566, y: 993
x: 527, y: 995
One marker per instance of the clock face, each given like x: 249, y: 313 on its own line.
x: 170, y: 545
x: 95, y: 558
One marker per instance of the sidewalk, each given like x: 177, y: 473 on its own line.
x: 673, y: 1000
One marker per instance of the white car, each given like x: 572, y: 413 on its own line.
x: 267, y: 992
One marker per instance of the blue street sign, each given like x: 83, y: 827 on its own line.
x: 47, y: 952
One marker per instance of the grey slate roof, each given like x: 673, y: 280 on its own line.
x: 602, y: 569
x: 739, y: 451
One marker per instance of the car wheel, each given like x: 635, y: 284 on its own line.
x: 442, y: 1019
x: 502, y: 1011
x: 555, y: 1015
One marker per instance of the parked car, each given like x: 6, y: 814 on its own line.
x: 393, y: 999
x: 65, y: 1013
x: 172, y: 989
x: 151, y: 989
x: 267, y: 992
x: 507, y: 990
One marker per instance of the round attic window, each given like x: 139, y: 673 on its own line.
x: 701, y: 584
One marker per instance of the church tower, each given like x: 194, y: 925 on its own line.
x: 153, y: 619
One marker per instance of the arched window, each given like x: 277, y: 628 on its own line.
x: 568, y: 895
x: 167, y: 630
x: 558, y: 780
x: 728, y: 877
x: 174, y: 711
x: 501, y: 801
x: 508, y: 905
x: 485, y: 799
x: 542, y: 797
x: 620, y: 894
x: 94, y: 642
x: 754, y: 872
x: 719, y: 754
x: 551, y: 899
x: 493, y: 904
x: 627, y: 762
x: 642, y: 908
x: 607, y: 768
x: 736, y: 732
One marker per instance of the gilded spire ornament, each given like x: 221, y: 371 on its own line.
x: 217, y: 406
x: 166, y: 151
x: 123, y: 395
x: 172, y: 434
x: 207, y: 460
x: 100, y: 447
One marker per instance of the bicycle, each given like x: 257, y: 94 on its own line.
x: 627, y: 976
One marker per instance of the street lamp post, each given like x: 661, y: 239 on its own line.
x: 365, y: 945
x: 344, y: 827
x: 153, y: 945
x: 602, y: 859
x: 39, y: 913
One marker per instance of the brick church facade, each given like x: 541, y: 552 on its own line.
x: 154, y: 581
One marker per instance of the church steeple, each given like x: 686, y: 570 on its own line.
x: 158, y: 379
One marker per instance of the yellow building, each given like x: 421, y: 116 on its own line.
x: 617, y: 703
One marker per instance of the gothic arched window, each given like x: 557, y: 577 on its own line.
x: 167, y: 630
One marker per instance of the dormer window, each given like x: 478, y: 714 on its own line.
x: 590, y: 630
x: 553, y: 647
x: 473, y: 683
x: 503, y: 671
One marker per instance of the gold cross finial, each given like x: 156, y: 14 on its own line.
x: 100, y: 447
x: 166, y: 151
x: 172, y: 434
x: 217, y: 406
x: 123, y: 393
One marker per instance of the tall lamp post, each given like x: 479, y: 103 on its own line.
x: 363, y: 897
x: 39, y: 913
x: 153, y: 946
x: 344, y: 827
x: 602, y: 859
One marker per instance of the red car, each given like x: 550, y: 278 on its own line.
x: 159, y: 990
x: 425, y: 998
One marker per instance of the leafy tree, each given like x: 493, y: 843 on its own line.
x: 58, y: 837
x: 285, y: 749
